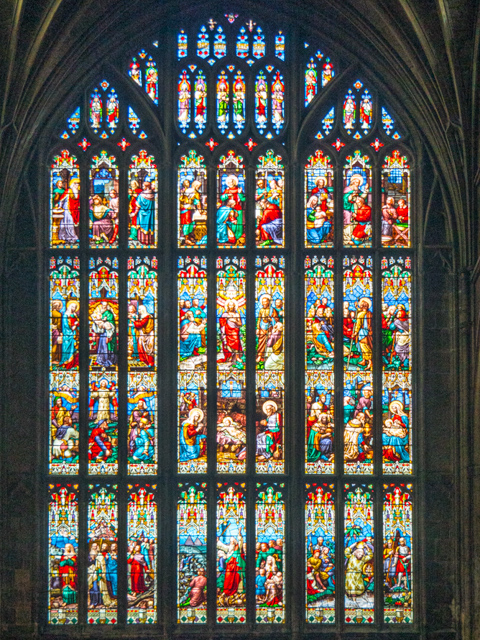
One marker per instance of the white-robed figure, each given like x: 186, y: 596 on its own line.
x: 269, y: 439
x: 103, y: 324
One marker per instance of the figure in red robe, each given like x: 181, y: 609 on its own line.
x: 138, y: 565
x: 197, y: 589
x: 234, y: 569
x: 402, y: 211
x: 74, y: 202
x: 363, y: 216
x: 145, y: 326
x: 230, y: 323
x: 99, y: 443
x: 347, y: 323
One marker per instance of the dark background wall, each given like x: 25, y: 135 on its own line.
x: 425, y: 58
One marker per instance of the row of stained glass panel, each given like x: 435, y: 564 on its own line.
x: 231, y: 374
x: 231, y: 334
x: 246, y: 45
x: 103, y: 201
x: 103, y: 365
x: 231, y: 197
x: 230, y: 101
x: 357, y: 347
x: 271, y: 563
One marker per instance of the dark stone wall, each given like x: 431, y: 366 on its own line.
x: 448, y: 408
x: 23, y: 522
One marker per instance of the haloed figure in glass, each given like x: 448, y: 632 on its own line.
x: 269, y: 196
x: 66, y: 203
x: 230, y: 213
x: 104, y: 218
x: 65, y: 328
x: 357, y: 214
x: 104, y: 327
x: 142, y: 213
x: 192, y: 436
x: 141, y: 432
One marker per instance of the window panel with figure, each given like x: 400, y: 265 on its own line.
x: 396, y: 200
x: 63, y: 554
x: 192, y: 562
x: 65, y: 201
x: 192, y: 200
x: 269, y: 200
x: 320, y: 553
x: 359, y: 554
x: 142, y: 554
x: 270, y: 363
x: 319, y: 201
x: 231, y: 379
x: 192, y: 348
x: 357, y: 201
x: 143, y: 201
x: 142, y: 359
x: 231, y: 553
x: 231, y: 201
x: 104, y: 201
x: 102, y: 561
x: 397, y: 553
x: 270, y: 561
x: 319, y: 363
x: 358, y: 364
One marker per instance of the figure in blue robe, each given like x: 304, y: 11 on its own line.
x: 146, y: 215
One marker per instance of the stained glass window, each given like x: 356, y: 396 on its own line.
x: 192, y: 349
x: 357, y: 201
x: 65, y: 201
x: 231, y: 553
x: 320, y: 553
x: 270, y: 363
x: 231, y: 380
x: 192, y: 200
x: 359, y: 547
x: 103, y: 373
x: 63, y: 554
x: 319, y: 201
x: 64, y: 365
x: 269, y: 200
x: 397, y: 552
x: 396, y: 201
x: 184, y: 98
x: 270, y: 560
x: 104, y: 201
x: 142, y: 554
x: 102, y: 542
x: 192, y: 553
x: 231, y: 370
x: 143, y: 71
x: 358, y: 110
x: 142, y: 366
x: 231, y: 201
x: 319, y: 364
x: 143, y: 201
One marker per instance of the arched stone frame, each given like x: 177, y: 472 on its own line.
x: 442, y: 248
